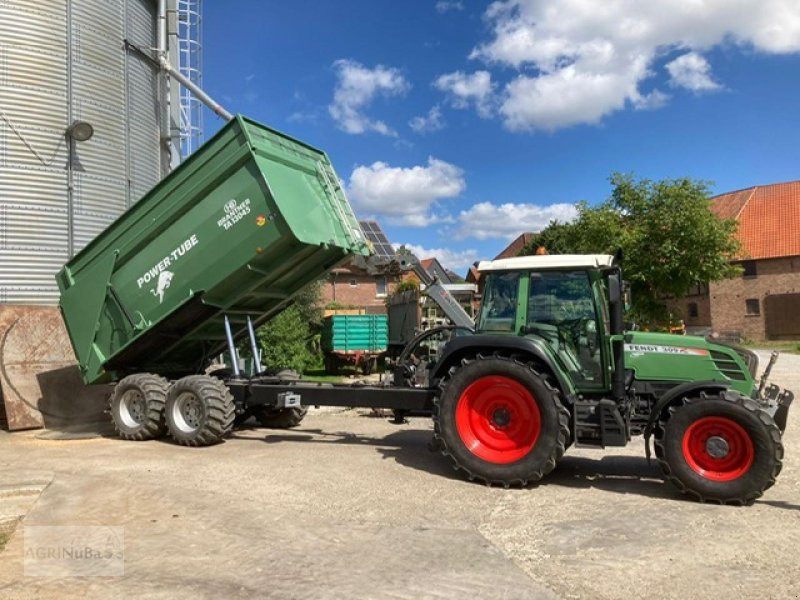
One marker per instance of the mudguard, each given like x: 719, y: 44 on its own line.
x: 460, y: 347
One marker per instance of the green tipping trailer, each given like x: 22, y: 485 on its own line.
x: 236, y: 231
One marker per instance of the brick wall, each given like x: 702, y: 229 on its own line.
x: 729, y: 297
x: 355, y: 289
x: 680, y: 309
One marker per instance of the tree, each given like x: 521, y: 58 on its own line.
x: 669, y: 238
x: 284, y: 339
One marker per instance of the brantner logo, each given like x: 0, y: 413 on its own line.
x: 235, y: 211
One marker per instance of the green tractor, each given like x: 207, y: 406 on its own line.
x: 550, y: 366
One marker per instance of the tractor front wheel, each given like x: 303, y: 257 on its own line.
x: 719, y: 448
x: 199, y: 410
x: 500, y: 421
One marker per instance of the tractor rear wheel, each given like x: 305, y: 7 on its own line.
x: 199, y: 410
x: 500, y: 421
x: 137, y: 407
x: 719, y: 448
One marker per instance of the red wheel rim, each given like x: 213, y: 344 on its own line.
x: 498, y: 419
x: 718, y: 448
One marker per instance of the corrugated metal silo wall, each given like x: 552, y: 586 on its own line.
x: 61, y: 61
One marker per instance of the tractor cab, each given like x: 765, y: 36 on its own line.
x: 563, y: 302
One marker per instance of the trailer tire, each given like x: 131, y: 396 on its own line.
x: 719, y: 447
x: 199, y: 410
x: 137, y: 405
x: 500, y: 421
x: 280, y: 418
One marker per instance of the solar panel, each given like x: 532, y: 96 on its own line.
x: 378, y: 239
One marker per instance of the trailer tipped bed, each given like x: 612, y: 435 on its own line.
x: 240, y: 227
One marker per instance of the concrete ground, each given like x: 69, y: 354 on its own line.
x: 351, y: 506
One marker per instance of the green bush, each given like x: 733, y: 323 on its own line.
x: 283, y: 341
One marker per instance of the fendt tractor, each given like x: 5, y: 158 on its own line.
x: 225, y: 241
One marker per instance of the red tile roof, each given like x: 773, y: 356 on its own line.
x: 426, y: 263
x: 473, y: 275
x: 515, y: 247
x: 769, y: 218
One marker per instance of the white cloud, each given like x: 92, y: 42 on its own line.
x: 455, y: 260
x: 464, y: 90
x: 692, y: 72
x: 580, y: 60
x: 433, y: 121
x: 356, y: 88
x: 486, y: 221
x: 443, y: 6
x: 405, y: 196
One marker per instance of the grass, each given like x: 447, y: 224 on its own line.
x: 4, y: 537
x: 788, y: 346
x: 320, y: 376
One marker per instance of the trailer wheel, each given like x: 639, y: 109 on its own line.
x: 280, y: 418
x: 719, y: 448
x: 500, y: 421
x: 331, y: 363
x: 199, y: 410
x: 137, y: 407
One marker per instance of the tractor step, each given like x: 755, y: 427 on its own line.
x: 598, y: 424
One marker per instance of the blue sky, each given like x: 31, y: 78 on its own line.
x: 459, y: 125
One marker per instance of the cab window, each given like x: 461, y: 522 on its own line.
x: 561, y: 310
x: 499, y: 306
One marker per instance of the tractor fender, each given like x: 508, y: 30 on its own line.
x: 674, y: 396
x: 462, y: 347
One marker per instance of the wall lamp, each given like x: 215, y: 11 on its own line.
x: 80, y: 131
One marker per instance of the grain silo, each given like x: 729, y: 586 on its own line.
x: 86, y: 129
x: 63, y: 64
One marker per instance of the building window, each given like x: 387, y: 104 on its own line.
x: 752, y: 306
x: 353, y: 283
x: 698, y: 289
x: 693, y: 310
x: 380, y: 286
x: 750, y: 269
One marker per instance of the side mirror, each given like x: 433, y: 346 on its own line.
x: 615, y: 299
x: 627, y: 294
x: 614, y: 291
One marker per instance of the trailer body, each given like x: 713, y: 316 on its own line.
x: 240, y: 227
x: 355, y: 333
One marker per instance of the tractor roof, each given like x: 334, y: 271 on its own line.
x: 548, y: 261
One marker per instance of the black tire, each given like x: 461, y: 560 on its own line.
x: 719, y: 448
x: 331, y: 364
x: 280, y: 418
x: 199, y: 410
x: 137, y: 405
x: 530, y: 389
x: 367, y: 365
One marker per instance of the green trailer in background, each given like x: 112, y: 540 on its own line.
x: 359, y: 340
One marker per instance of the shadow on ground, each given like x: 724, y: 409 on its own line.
x: 411, y: 448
